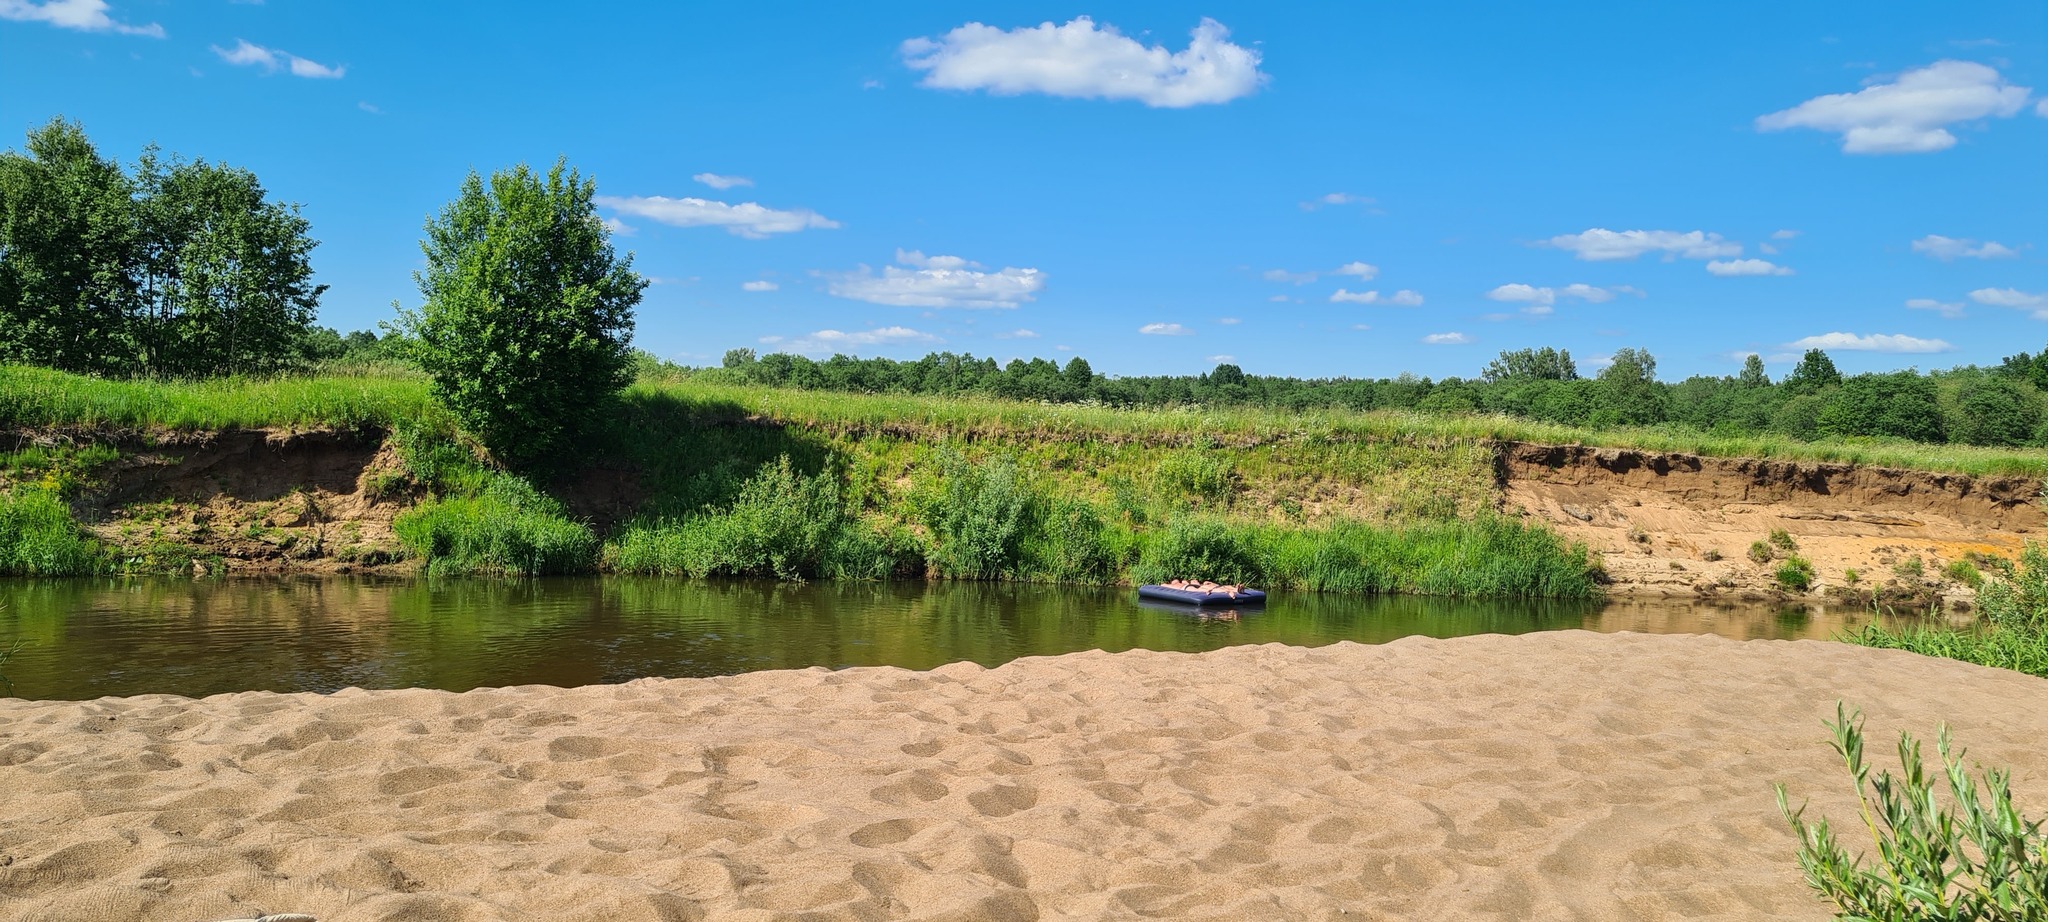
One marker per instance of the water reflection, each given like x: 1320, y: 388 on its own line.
x: 87, y: 638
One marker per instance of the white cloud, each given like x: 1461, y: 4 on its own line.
x: 1948, y: 248
x: 1219, y: 359
x: 1906, y: 116
x: 1734, y: 267
x: 2041, y: 108
x: 83, y: 15
x: 1530, y: 294
x: 759, y: 285
x: 1228, y: 321
x: 1950, y: 309
x: 1781, y: 234
x: 1336, y: 198
x: 1402, y: 298
x: 1599, y: 243
x: 1284, y: 276
x: 836, y: 341
x: 1017, y: 334
x: 1447, y: 339
x: 2014, y: 298
x: 249, y: 54
x: 1165, y: 329
x: 939, y: 281
x: 619, y: 227
x: 1875, y: 342
x: 367, y: 107
x: 1361, y: 326
x: 746, y: 219
x: 1364, y: 271
x: 716, y: 181
x: 1280, y: 299
x: 1767, y: 249
x: 1084, y: 61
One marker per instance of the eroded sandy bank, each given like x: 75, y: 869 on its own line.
x: 1564, y: 775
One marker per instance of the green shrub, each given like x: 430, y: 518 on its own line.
x: 978, y: 520
x: 38, y: 537
x: 1851, y: 576
x: 2016, y: 648
x: 1962, y: 571
x: 508, y: 529
x: 1782, y: 540
x: 1201, y: 548
x: 1072, y: 544
x: 1976, y: 858
x: 1761, y: 552
x: 1910, y: 568
x: 1796, y: 574
x: 782, y: 525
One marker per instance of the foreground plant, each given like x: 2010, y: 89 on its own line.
x: 1977, y: 859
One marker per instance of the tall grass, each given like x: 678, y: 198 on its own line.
x: 41, y: 398
x: 2012, y: 632
x: 508, y: 529
x: 38, y: 537
x: 782, y: 525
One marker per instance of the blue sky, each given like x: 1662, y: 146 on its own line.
x: 1343, y: 189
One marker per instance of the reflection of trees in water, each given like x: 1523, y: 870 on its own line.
x: 84, y: 638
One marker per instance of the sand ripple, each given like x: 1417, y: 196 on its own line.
x: 1549, y: 776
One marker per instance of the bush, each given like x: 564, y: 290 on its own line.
x: 508, y: 529
x: 978, y: 520
x: 1962, y: 571
x: 1782, y: 540
x: 1977, y: 858
x: 1761, y: 552
x: 1796, y: 574
x: 1205, y: 478
x: 2017, y: 649
x: 1199, y: 548
x: 1910, y: 568
x: 38, y: 537
x: 1072, y: 544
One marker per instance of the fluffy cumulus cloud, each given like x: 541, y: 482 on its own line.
x: 1908, y: 115
x: 1599, y: 244
x: 1447, y: 339
x: 717, y: 181
x: 1948, y: 248
x: 2013, y: 298
x: 248, y: 54
x: 1402, y: 298
x: 1950, y: 309
x: 938, y: 281
x: 1545, y: 296
x: 746, y: 219
x: 83, y: 15
x: 1364, y: 271
x: 1165, y: 329
x: 758, y: 286
x: 1734, y: 267
x: 1874, y: 342
x: 838, y: 341
x: 1087, y: 61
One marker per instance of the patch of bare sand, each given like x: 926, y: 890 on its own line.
x: 1562, y: 775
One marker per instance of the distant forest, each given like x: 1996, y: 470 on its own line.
x: 1998, y: 406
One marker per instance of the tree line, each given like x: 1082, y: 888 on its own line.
x: 177, y: 268
x: 1999, y: 406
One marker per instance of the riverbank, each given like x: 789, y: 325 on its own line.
x: 360, y: 474
x: 1600, y: 776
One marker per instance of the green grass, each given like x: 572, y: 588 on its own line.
x: 38, y: 537
x: 2017, y: 649
x: 38, y: 398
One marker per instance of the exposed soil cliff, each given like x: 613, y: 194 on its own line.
x: 1674, y: 524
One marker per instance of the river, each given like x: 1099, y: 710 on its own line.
x: 81, y: 639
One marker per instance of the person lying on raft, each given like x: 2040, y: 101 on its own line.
x: 1204, y: 586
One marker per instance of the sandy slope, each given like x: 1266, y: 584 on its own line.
x: 1566, y: 775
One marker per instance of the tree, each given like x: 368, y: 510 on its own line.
x: 1080, y: 378
x: 67, y: 251
x: 1629, y: 393
x: 1815, y: 371
x: 1994, y: 411
x: 1901, y: 404
x: 1545, y: 364
x: 527, y: 315
x: 225, y: 274
x: 1753, y: 374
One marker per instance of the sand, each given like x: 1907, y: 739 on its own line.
x: 1549, y: 776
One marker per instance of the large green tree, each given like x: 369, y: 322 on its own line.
x: 226, y: 278
x: 67, y: 253
x: 528, y: 313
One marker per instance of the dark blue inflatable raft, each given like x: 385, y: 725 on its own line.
x: 1196, y: 597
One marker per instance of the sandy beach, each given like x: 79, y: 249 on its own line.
x: 1567, y: 775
